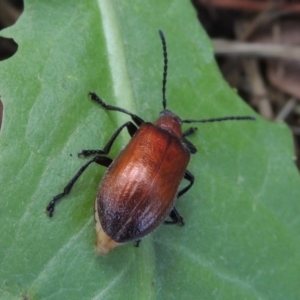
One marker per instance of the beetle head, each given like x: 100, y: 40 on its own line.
x: 170, y: 122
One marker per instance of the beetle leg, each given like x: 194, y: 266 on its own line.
x: 136, y: 119
x: 137, y: 243
x: 104, y: 161
x: 190, y: 131
x: 176, y: 218
x: 174, y: 214
x: 189, y: 145
x: 131, y: 128
x: 186, y: 142
x: 190, y: 177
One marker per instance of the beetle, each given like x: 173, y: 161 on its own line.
x: 140, y: 186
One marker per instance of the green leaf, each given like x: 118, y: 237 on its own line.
x: 241, y: 239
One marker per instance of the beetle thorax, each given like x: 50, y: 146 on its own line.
x: 170, y: 122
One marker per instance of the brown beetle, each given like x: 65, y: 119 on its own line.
x: 140, y: 186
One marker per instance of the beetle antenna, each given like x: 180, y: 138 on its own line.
x: 165, y: 70
x: 231, y: 118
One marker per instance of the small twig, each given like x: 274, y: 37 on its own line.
x: 262, y: 18
x: 230, y: 48
x: 251, y: 69
x: 249, y: 5
x: 286, y: 110
x: 258, y: 90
